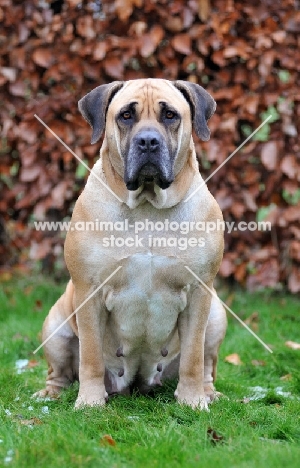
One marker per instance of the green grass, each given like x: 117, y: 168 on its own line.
x: 153, y: 431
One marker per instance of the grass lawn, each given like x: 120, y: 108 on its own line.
x: 155, y: 431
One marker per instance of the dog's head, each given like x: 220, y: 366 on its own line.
x: 148, y: 126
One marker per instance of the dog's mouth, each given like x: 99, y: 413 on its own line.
x: 148, y: 176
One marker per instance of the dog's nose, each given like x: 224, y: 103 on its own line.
x: 148, y: 140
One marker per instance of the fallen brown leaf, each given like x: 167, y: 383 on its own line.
x: 245, y: 400
x: 292, y: 344
x: 5, y: 276
x: 215, y: 437
x: 286, y: 377
x: 114, y: 67
x: 107, y: 440
x: 233, y: 359
x: 38, y: 304
x: 182, y: 43
x: 28, y: 290
x: 289, y: 166
x: 43, y: 57
x: 124, y: 8
x: 257, y: 362
x: 30, y: 422
x: 269, y: 155
x: 252, y: 321
x: 253, y: 318
x: 32, y: 363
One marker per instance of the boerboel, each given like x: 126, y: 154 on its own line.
x: 153, y: 319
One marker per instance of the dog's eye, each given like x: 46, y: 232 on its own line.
x: 126, y: 115
x: 170, y: 114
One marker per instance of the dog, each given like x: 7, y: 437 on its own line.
x: 152, y: 319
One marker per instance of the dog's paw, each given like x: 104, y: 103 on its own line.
x: 211, y: 394
x: 52, y: 393
x: 90, y: 400
x: 192, y: 400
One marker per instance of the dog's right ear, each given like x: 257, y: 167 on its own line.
x: 93, y: 106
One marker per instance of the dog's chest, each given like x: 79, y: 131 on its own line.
x: 145, y: 304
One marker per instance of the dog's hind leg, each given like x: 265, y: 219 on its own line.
x: 62, y: 349
x: 214, y: 336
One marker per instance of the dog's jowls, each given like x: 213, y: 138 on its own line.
x: 153, y: 319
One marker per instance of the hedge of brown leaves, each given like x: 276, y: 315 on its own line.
x: 246, y: 54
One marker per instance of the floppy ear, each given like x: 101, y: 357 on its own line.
x: 202, y: 106
x: 93, y: 106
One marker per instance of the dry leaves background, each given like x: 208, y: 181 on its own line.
x: 246, y: 54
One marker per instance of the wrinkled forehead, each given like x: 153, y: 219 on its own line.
x: 149, y: 94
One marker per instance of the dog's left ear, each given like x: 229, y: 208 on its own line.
x: 93, y: 106
x: 202, y: 106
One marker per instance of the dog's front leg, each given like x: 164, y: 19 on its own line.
x: 192, y: 325
x: 91, y: 321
